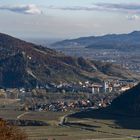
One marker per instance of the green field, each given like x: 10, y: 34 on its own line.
x: 75, y: 129
x: 80, y: 129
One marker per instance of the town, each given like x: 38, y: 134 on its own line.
x: 83, y: 95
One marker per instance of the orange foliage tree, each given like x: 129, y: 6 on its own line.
x: 8, y: 132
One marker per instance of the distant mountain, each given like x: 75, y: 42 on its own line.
x: 24, y: 64
x: 110, y: 41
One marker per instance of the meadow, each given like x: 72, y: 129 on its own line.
x: 74, y: 129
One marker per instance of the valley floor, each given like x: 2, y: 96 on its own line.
x: 73, y: 129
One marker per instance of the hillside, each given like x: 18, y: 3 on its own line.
x: 110, y: 41
x: 24, y: 64
x: 122, y: 117
x: 128, y: 102
x: 127, y: 105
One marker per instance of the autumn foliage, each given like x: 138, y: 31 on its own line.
x: 8, y: 132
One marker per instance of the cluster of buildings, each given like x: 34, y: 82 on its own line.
x: 107, y: 86
x: 64, y: 106
x: 113, y: 86
x: 32, y: 99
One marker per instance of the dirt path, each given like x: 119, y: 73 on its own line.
x: 21, y: 115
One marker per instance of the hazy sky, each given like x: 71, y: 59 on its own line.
x: 68, y: 18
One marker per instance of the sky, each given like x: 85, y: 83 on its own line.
x: 68, y: 18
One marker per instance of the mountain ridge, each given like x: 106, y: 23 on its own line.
x: 26, y: 64
x: 109, y: 41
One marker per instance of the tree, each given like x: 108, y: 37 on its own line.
x: 8, y: 132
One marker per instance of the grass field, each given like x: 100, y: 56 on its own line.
x: 75, y: 129
x: 65, y: 133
